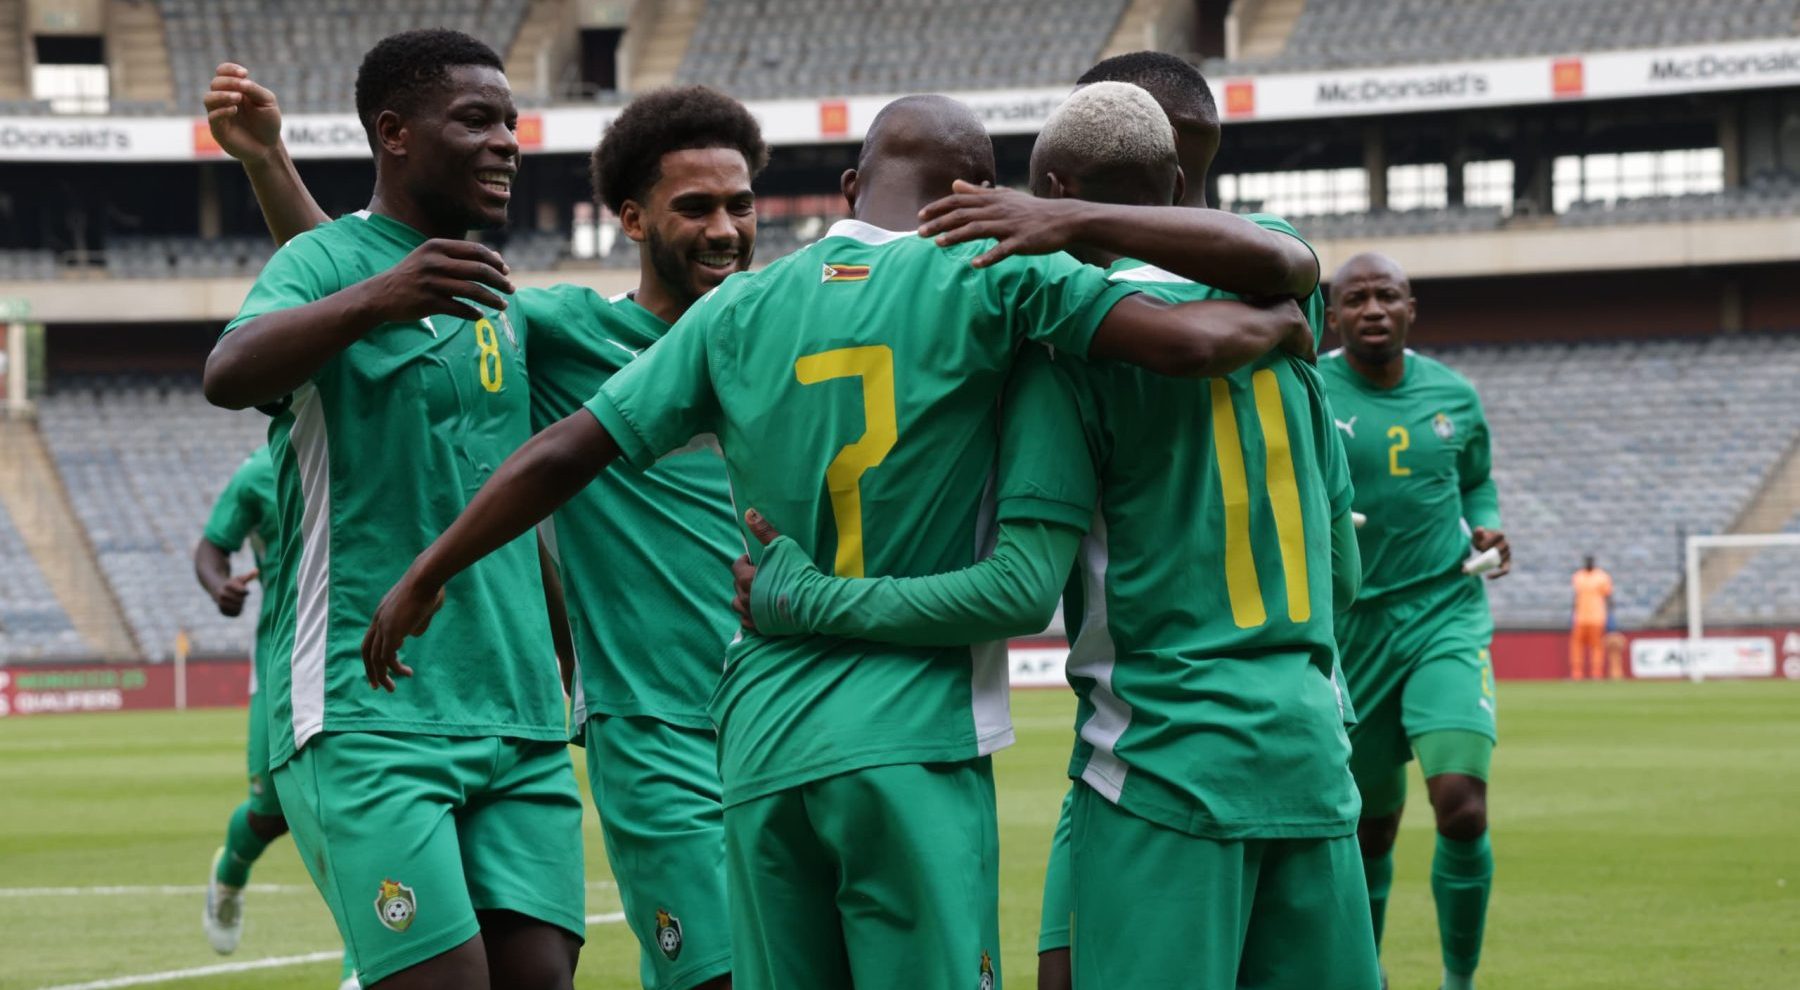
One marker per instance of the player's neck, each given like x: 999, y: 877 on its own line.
x: 1383, y: 375
x: 891, y: 209
x: 398, y: 207
x: 655, y: 297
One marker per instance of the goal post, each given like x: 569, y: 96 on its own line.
x: 1737, y: 563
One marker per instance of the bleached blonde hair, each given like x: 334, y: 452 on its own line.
x: 1105, y: 129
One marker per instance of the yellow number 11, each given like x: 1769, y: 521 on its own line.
x: 843, y: 477
x: 1241, y: 583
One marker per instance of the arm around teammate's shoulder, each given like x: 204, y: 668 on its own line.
x: 1199, y: 339
x: 299, y: 315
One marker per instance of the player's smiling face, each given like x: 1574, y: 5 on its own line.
x: 1373, y: 312
x: 697, y: 221
x: 463, y: 150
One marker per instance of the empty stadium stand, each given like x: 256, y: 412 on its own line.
x: 33, y: 624
x: 142, y: 462
x: 299, y: 49
x: 1621, y: 449
x: 759, y: 49
x: 1332, y: 34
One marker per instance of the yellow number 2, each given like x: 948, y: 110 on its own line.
x: 1402, y: 440
x: 488, y: 344
x: 1241, y: 583
x: 843, y: 477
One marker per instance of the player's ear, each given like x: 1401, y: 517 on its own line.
x: 631, y: 220
x: 847, y: 186
x: 1054, y: 187
x: 390, y: 130
x: 1330, y: 315
x: 1180, y: 187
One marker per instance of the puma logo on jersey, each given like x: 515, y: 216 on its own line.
x: 1349, y: 427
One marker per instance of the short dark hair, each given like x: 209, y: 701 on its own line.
x: 1172, y: 81
x: 403, y: 68
x: 628, y: 159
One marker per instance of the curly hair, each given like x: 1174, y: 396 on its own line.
x: 628, y: 159
x: 1175, y: 84
x: 403, y: 68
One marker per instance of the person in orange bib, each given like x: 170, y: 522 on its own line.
x: 1593, y: 599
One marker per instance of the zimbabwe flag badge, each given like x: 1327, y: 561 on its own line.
x: 844, y: 273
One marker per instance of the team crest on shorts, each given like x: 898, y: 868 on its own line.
x: 668, y: 934
x: 987, y: 972
x: 1441, y: 425
x: 396, y: 906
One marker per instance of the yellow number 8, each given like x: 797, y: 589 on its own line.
x: 843, y: 477
x: 488, y: 343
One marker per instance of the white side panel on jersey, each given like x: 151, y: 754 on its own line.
x: 1094, y: 655
x: 312, y: 596
x: 989, y: 689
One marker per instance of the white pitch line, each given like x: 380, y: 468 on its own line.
x: 180, y: 890
x: 218, y: 969
x: 273, y: 962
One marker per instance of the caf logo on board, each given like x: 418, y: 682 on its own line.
x: 1441, y: 425
x: 668, y: 934
x: 396, y: 906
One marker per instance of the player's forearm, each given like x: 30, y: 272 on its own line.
x: 1013, y: 592
x: 1346, y: 563
x: 1205, y: 339
x: 287, y: 205
x: 212, y: 567
x: 1221, y: 249
x: 274, y: 354
x: 534, y: 482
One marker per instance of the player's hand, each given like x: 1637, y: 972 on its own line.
x: 1483, y: 538
x: 1022, y: 224
x: 436, y: 278
x: 232, y: 594
x: 743, y: 572
x: 1299, y: 342
x: 406, y: 610
x: 242, y: 115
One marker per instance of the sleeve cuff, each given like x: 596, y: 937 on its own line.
x: 1027, y: 508
x: 770, y: 605
x: 1097, y: 310
x: 614, y: 422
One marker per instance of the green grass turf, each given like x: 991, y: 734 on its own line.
x: 1644, y: 834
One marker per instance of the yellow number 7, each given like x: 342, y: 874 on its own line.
x: 843, y: 477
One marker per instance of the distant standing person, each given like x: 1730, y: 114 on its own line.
x: 1593, y: 605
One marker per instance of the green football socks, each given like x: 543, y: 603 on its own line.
x: 1462, y: 876
x: 242, y: 847
x: 1380, y: 875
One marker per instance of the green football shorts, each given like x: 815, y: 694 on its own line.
x: 1417, y: 665
x: 873, y: 878
x: 263, y: 800
x: 407, y: 836
x: 656, y: 786
x: 1155, y: 907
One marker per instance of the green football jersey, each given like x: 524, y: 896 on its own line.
x: 245, y: 510
x: 1204, y: 660
x: 644, y: 556
x: 374, y: 456
x: 1419, y: 459
x: 854, y: 388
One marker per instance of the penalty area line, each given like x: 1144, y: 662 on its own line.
x: 273, y: 962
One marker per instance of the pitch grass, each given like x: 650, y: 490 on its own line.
x: 1645, y: 836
